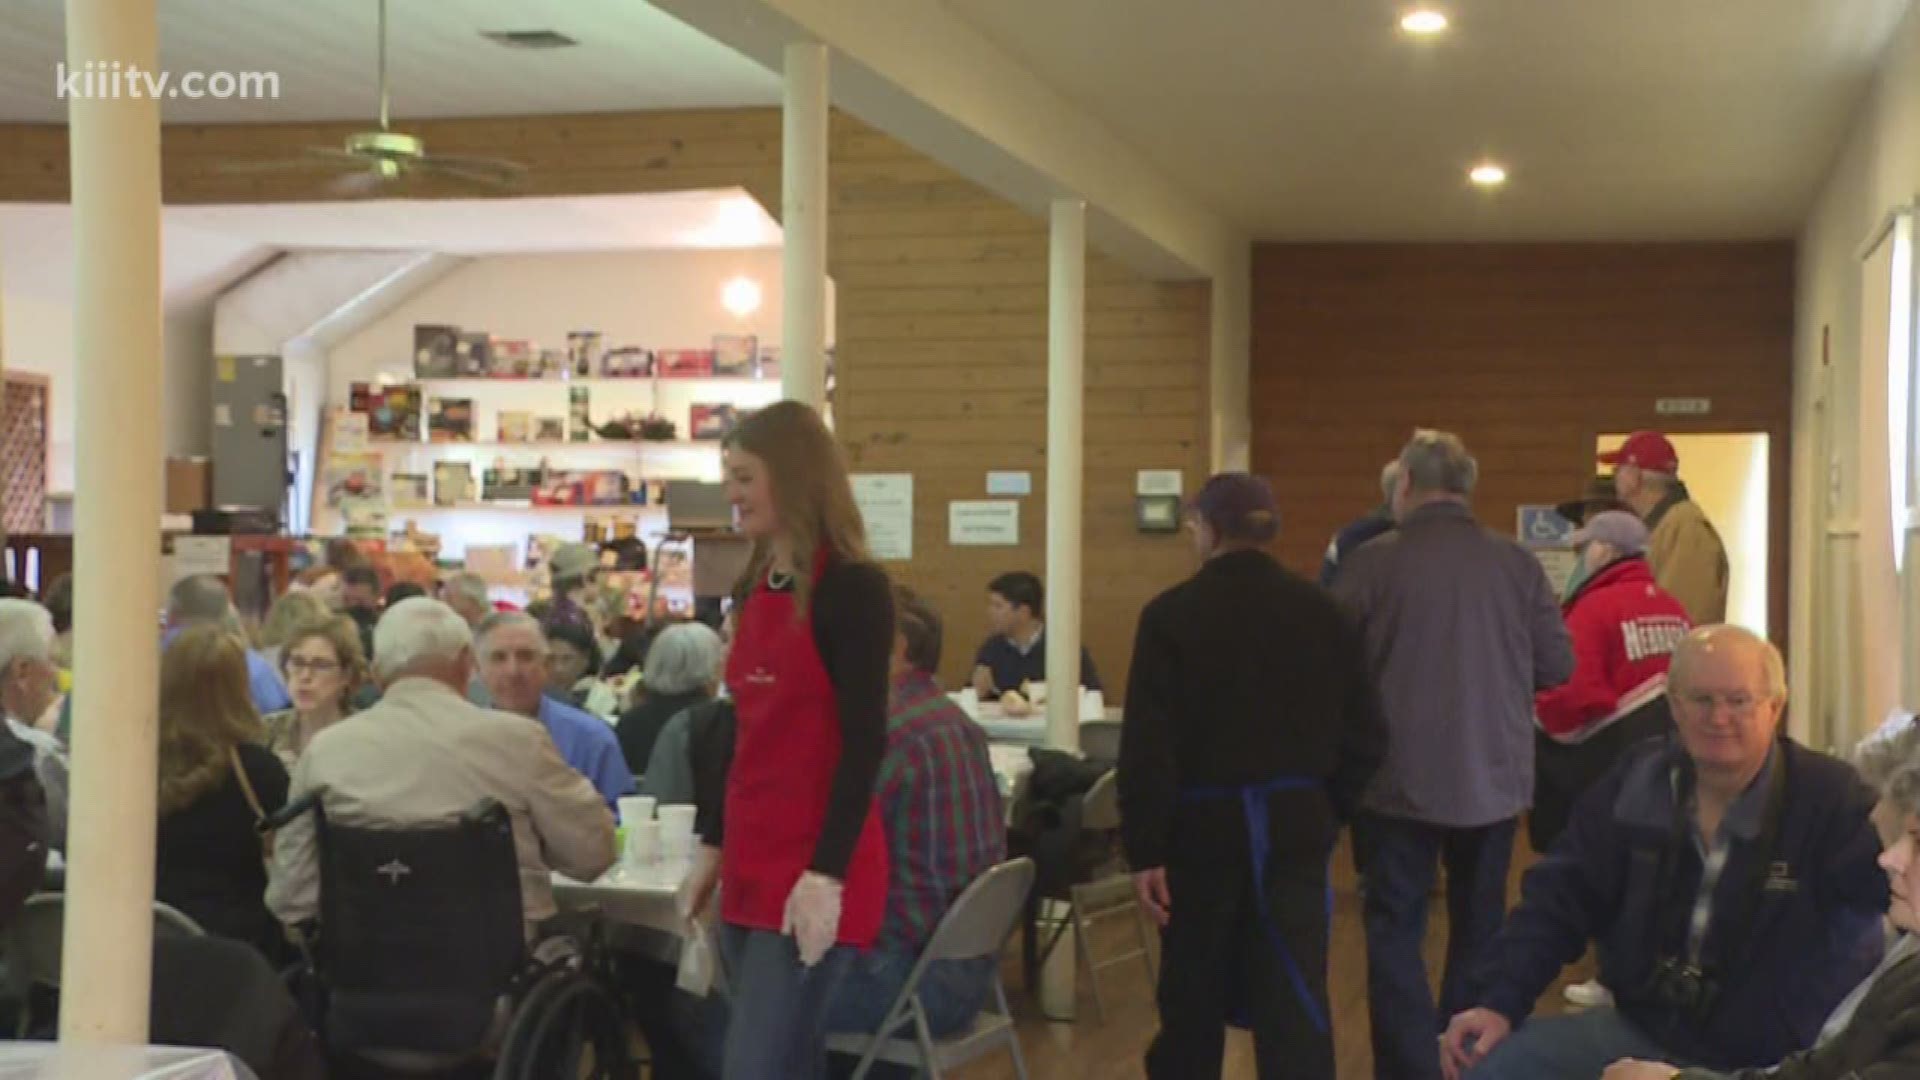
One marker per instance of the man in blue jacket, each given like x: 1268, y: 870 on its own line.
x: 1377, y: 522
x: 1727, y: 875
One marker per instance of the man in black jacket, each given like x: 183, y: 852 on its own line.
x: 1251, y: 731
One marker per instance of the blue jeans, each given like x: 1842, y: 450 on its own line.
x: 1400, y: 860
x: 1577, y: 1047
x: 952, y: 992
x: 777, y: 1025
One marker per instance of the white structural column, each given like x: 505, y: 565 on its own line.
x: 1066, y: 393
x: 803, y: 224
x: 115, y: 159
x: 1066, y: 400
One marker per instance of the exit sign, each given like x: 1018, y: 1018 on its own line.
x: 1683, y: 406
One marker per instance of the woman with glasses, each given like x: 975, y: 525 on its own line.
x: 323, y: 666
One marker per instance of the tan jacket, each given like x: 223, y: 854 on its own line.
x: 1688, y: 559
x: 425, y: 754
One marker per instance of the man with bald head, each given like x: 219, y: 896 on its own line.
x: 1727, y: 875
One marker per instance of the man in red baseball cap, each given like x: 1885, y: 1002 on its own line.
x: 1684, y: 550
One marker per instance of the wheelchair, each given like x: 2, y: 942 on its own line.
x: 419, y: 963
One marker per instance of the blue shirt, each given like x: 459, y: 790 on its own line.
x: 588, y: 744
x: 263, y: 683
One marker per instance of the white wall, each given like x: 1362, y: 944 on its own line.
x: 1878, y: 170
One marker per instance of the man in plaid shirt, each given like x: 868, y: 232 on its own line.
x: 945, y: 826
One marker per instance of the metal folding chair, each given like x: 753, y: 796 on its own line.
x: 976, y: 925
x: 34, y: 945
x: 1105, y: 893
x: 1100, y: 740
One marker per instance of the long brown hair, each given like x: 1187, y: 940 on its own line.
x: 811, y: 494
x: 206, y: 709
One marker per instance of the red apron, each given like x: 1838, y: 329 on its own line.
x: 787, y: 744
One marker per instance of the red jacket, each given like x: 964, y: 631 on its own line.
x: 1624, y: 629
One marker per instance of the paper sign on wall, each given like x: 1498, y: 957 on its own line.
x: 202, y: 555
x: 983, y: 523
x: 1157, y: 482
x: 886, y: 502
x: 1009, y: 483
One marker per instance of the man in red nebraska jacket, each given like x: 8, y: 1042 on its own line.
x: 1624, y: 629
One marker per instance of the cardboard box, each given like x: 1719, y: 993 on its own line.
x: 189, y: 484
x: 684, y: 363
x: 733, y: 355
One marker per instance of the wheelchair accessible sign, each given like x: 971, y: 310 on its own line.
x: 1541, y: 526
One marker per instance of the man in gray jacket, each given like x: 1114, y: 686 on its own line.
x: 1461, y: 628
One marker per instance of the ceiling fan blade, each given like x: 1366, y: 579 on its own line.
x: 310, y: 159
x: 487, y: 172
x: 356, y: 184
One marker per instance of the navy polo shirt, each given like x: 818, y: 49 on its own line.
x: 1012, y: 666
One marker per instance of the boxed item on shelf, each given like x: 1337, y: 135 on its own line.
x: 352, y: 476
x: 510, y: 484
x: 513, y: 359
x: 627, y: 362
x: 550, y: 429
x: 360, y: 397
x: 713, y: 421
x: 733, y: 355
x: 582, y: 487
x: 436, y: 351
x: 408, y: 491
x: 394, y: 413
x: 583, y: 352
x: 579, y: 414
x: 349, y: 431
x: 553, y: 364
x: 476, y: 354
x: 450, y: 420
x: 767, y: 362
x: 452, y: 483
x: 684, y: 363
x: 515, y: 426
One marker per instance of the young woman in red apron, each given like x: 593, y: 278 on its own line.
x: 801, y: 864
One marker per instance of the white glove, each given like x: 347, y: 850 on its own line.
x: 813, y: 915
x: 695, y: 894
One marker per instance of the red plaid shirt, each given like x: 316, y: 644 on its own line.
x: 941, y: 806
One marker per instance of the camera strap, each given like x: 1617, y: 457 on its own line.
x: 1727, y: 932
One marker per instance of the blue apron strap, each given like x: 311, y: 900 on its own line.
x: 1253, y: 803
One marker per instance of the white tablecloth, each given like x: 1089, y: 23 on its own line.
x: 630, y: 896
x: 69, y: 1061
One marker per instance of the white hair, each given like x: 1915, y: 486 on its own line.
x: 1707, y: 639
x: 1889, y: 759
x: 417, y: 630
x: 26, y: 632
x: 469, y: 586
x: 685, y: 657
x: 1389, y: 479
x: 1437, y: 462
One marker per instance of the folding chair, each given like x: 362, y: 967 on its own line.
x: 977, y: 924
x: 34, y: 945
x: 1100, y: 740
x: 1106, y: 892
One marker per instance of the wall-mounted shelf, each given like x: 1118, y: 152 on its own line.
x: 599, y: 446
x: 600, y: 380
x: 623, y: 509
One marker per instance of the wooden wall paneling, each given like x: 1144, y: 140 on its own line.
x: 941, y: 297
x: 1529, y: 352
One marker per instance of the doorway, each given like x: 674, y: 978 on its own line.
x: 1726, y: 474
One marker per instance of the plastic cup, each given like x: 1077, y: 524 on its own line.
x: 636, y: 809
x: 676, y: 831
x: 643, y: 843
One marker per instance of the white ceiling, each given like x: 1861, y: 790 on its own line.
x: 1320, y: 119
x: 204, y: 249
x: 630, y: 56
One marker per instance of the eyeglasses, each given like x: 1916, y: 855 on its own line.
x: 302, y: 665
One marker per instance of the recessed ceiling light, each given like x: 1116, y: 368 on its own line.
x: 1488, y: 175
x: 529, y: 39
x: 1423, y: 21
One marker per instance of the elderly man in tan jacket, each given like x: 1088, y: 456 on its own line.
x: 425, y: 754
x: 1684, y: 550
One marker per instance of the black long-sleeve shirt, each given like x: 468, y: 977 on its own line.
x: 851, y: 616
x: 1242, y: 674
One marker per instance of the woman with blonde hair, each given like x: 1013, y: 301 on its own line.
x: 796, y: 845
x: 323, y: 668
x: 216, y: 784
x: 295, y: 608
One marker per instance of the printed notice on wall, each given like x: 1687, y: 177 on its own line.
x: 194, y: 555
x: 886, y: 502
x: 983, y: 523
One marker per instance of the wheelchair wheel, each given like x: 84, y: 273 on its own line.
x: 565, y: 1016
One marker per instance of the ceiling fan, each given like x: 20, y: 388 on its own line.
x: 374, y: 159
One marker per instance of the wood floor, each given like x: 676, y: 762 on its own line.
x: 1112, y: 1051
